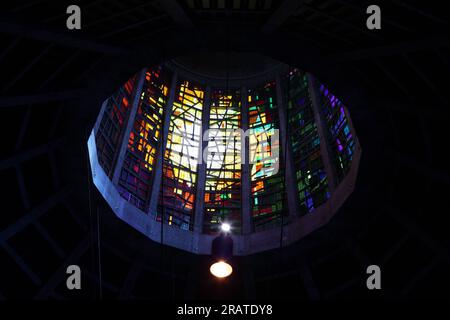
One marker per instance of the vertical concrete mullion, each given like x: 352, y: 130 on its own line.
x: 100, y: 116
x: 286, y: 151
x: 247, y: 225
x: 202, y: 165
x: 157, y: 174
x: 129, y: 125
x: 325, y: 152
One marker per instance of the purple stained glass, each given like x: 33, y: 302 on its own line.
x: 340, y: 148
x: 338, y: 129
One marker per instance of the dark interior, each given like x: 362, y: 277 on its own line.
x: 394, y: 82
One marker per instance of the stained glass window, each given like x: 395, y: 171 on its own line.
x: 111, y: 125
x: 312, y: 182
x: 341, y: 138
x: 267, y: 180
x: 150, y: 143
x: 137, y: 171
x: 181, y: 156
x: 223, y: 174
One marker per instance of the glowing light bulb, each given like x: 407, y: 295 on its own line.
x: 226, y: 227
x: 221, y: 269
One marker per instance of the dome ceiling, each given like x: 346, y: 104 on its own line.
x: 394, y: 82
x: 223, y: 65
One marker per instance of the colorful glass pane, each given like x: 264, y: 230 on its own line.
x: 181, y: 156
x: 223, y: 174
x: 342, y: 141
x: 311, y: 179
x: 111, y: 126
x: 137, y: 171
x: 267, y: 177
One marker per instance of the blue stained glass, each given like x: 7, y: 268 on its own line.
x: 338, y: 131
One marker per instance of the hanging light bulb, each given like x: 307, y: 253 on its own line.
x: 222, y: 251
x: 226, y: 227
x: 221, y: 269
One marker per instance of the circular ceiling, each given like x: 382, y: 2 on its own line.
x: 179, y: 156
